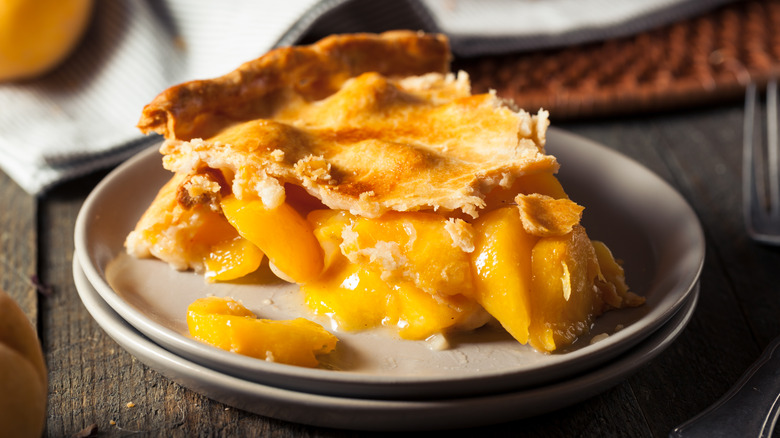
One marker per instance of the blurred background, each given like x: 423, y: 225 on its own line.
x: 578, y: 59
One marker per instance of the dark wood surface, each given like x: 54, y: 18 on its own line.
x: 92, y: 379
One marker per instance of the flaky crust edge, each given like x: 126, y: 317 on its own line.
x: 181, y: 111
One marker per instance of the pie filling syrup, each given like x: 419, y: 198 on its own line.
x: 388, y: 192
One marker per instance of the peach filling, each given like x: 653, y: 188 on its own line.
x: 232, y: 259
x: 528, y: 264
x: 400, y: 270
x: 281, y: 233
x: 227, y: 324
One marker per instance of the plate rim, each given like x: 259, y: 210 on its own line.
x: 323, y: 410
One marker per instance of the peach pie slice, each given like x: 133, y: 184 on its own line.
x: 369, y: 174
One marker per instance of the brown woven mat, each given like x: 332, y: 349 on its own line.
x: 696, y: 62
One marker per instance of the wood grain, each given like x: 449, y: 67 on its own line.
x: 700, y: 154
x: 18, y: 246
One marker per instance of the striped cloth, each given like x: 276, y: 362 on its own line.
x: 81, y: 117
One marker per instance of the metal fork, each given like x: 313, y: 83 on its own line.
x: 761, y: 179
x: 752, y: 406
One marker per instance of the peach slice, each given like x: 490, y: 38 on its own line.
x: 227, y: 324
x: 413, y: 246
x: 357, y: 298
x: 564, y: 300
x: 281, y: 233
x: 232, y: 259
x: 502, y: 268
x: 402, y: 271
x: 543, y: 183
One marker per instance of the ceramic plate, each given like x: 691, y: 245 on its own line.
x: 643, y: 220
x: 377, y: 414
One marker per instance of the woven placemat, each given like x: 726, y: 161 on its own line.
x: 700, y: 61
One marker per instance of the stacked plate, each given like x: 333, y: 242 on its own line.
x: 374, y: 381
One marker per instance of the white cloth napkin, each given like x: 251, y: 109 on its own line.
x: 81, y: 117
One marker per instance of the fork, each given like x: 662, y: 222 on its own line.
x: 751, y: 407
x: 760, y: 176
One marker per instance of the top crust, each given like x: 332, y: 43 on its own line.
x: 365, y: 123
x: 198, y: 109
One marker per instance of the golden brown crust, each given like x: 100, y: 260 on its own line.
x: 199, y: 108
x: 204, y: 186
x: 544, y: 216
x: 376, y: 145
x: 179, y: 234
x: 364, y: 123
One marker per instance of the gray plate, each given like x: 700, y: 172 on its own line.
x: 643, y: 220
x: 378, y: 414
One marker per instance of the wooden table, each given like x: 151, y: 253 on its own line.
x: 92, y: 379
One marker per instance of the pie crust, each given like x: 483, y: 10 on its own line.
x: 363, y: 134
x: 370, y: 125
